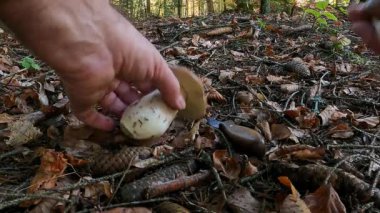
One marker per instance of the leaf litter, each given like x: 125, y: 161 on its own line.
x: 307, y: 93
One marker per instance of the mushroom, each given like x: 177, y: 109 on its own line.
x: 150, y: 116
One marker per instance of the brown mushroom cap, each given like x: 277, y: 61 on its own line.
x: 192, y: 90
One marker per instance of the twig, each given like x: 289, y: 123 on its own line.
x: 170, y: 45
x: 344, y: 160
x: 366, y: 133
x: 13, y: 152
x: 177, y: 184
x: 133, y: 203
x: 354, y: 146
x: 372, y: 153
x: 375, y: 181
x: 290, y: 97
x: 253, y: 177
x: 225, y: 140
x: 25, y: 197
x: 219, y: 181
x: 206, y: 61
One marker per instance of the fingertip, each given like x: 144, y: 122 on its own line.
x: 170, y: 89
x: 96, y: 120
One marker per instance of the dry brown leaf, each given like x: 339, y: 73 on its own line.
x: 290, y: 88
x: 52, y: 166
x: 265, y: 128
x: 224, y: 75
x: 218, y: 157
x: 293, y: 202
x: 94, y: 191
x: 368, y: 122
x: 343, y: 67
x: 325, y: 200
x: 328, y: 114
x: 280, y: 132
x: 276, y: 79
x: 237, y: 54
x: 308, y: 121
x: 298, y: 151
x: 5, y: 118
x: 128, y: 210
x: 342, y: 131
x: 248, y: 170
x: 254, y: 79
x: 241, y: 201
x: 214, y: 95
x: 22, y: 132
x: 291, y: 206
x: 195, y: 40
x: 162, y: 150
x: 244, y: 98
x: 170, y: 207
x: 228, y: 166
x: 286, y: 182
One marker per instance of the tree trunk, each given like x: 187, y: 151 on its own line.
x: 148, y: 7
x: 264, y: 6
x: 224, y: 5
x: 187, y: 8
x: 193, y: 14
x: 210, y: 6
x: 179, y: 8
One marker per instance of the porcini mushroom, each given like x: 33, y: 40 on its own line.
x: 150, y: 116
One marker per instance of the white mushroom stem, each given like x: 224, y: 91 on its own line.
x: 147, y: 118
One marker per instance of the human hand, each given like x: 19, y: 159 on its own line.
x: 101, y: 58
x: 363, y: 17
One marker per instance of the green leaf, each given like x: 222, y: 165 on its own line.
x: 322, y: 5
x: 28, y: 63
x: 36, y: 66
x: 344, y: 11
x: 322, y: 21
x: 315, y: 13
x: 25, y: 64
x: 330, y: 16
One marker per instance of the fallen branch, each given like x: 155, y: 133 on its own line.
x: 177, y: 184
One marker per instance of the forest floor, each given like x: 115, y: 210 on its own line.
x: 311, y: 94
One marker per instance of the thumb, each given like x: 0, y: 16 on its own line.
x: 169, y: 87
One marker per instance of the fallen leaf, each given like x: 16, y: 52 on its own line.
x: 276, y: 79
x: 232, y: 168
x: 341, y: 130
x: 160, y: 151
x: 237, y: 54
x: 22, y: 132
x: 280, y: 132
x: 214, y: 95
x: 293, y: 202
x: 298, y: 152
x: 290, y: 88
x: 325, y: 200
x: 254, y: 79
x: 368, y: 122
x: 218, y: 158
x: 5, y: 118
x: 248, y: 170
x: 244, y: 98
x: 330, y: 113
x: 129, y: 210
x: 224, y: 75
x: 94, y: 191
x: 241, y: 201
x: 170, y: 207
x: 52, y: 166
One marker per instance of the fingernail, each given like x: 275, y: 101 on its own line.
x: 181, y: 103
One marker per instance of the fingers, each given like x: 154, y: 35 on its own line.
x: 112, y: 103
x: 169, y: 87
x: 127, y: 93
x: 96, y: 120
x: 368, y: 33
